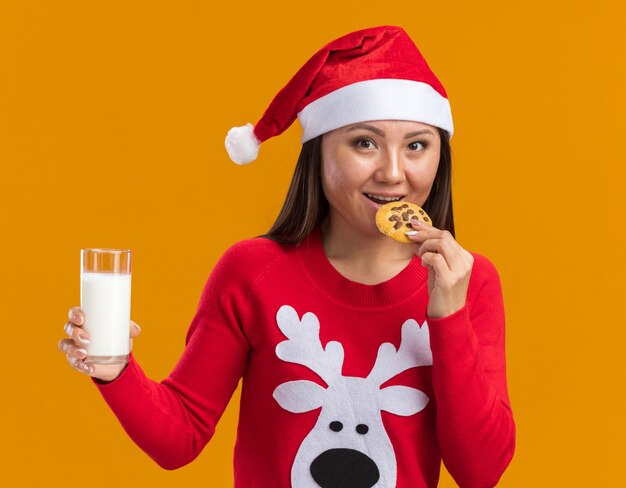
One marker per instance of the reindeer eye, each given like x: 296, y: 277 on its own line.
x: 362, y: 428
x: 336, y: 426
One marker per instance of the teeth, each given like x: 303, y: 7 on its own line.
x: 384, y: 199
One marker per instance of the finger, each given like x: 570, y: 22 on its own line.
x: 80, y: 366
x: 429, y: 245
x: 77, y: 334
x: 437, y: 262
x: 76, y: 316
x: 448, y: 248
x: 71, y: 349
x: 421, y: 232
x: 420, y: 224
x: 451, y: 250
x: 68, y: 328
x: 134, y: 329
x: 444, y: 243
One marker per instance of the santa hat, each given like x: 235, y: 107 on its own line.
x: 370, y: 74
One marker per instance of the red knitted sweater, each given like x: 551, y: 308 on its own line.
x: 344, y: 384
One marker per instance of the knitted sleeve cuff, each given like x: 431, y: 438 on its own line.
x: 128, y: 382
x: 451, y: 335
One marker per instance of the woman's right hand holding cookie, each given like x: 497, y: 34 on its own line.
x: 75, y: 352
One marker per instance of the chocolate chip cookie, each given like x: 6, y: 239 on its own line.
x: 393, y: 219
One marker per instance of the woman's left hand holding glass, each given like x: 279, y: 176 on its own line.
x: 449, y: 269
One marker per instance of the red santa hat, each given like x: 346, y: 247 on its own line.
x: 370, y: 74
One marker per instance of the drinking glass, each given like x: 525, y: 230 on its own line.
x: 105, y: 279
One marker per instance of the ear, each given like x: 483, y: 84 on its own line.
x: 401, y: 400
x: 300, y: 396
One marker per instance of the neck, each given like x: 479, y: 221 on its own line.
x: 372, y: 257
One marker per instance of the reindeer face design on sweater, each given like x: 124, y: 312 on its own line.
x: 348, y: 446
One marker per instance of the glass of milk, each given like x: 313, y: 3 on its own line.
x: 105, y: 301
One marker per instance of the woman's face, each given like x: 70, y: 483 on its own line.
x: 367, y: 161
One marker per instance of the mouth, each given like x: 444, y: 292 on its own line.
x: 382, y: 199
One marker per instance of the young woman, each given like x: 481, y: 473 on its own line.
x: 365, y: 361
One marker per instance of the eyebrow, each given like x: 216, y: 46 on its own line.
x: 382, y: 133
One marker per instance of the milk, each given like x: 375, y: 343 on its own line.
x: 105, y: 302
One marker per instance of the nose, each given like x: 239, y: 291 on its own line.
x: 390, y: 169
x: 344, y: 468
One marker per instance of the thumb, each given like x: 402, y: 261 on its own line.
x: 134, y: 329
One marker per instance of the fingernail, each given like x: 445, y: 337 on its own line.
x: 411, y: 232
x: 68, y: 329
x: 416, y: 221
x: 77, y: 319
x: 83, y: 339
x: 82, y: 352
x: 138, y: 328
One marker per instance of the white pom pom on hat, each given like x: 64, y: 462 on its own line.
x: 370, y: 74
x: 242, y: 145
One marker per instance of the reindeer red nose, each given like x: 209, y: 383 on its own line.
x: 344, y: 468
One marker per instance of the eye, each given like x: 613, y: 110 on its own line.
x: 358, y: 143
x: 362, y: 429
x: 423, y: 144
x: 335, y: 426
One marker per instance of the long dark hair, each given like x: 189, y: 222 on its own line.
x: 306, y: 206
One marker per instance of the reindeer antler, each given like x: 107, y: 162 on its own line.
x: 304, y: 347
x: 414, y: 351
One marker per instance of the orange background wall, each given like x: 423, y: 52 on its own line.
x: 112, y: 124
